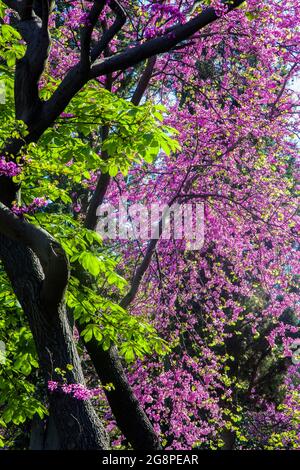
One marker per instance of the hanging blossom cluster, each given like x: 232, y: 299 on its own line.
x: 160, y: 10
x: 286, y: 434
x: 219, y: 7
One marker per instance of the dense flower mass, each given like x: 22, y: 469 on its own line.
x: 232, y: 101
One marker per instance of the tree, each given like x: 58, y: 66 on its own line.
x: 34, y: 262
x: 231, y: 106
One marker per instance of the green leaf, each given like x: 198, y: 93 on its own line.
x: 90, y: 262
x: 88, y: 333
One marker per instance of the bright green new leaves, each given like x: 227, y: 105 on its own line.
x: 95, y: 305
x: 3, y: 7
x: 109, y: 323
x: 11, y: 47
x: 72, y: 149
x: 136, y: 133
x: 18, y: 397
x: 13, y: 51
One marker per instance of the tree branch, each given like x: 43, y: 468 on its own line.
x: 34, y: 30
x: 140, y: 271
x: 111, y: 32
x: 143, y: 82
x: 174, y: 36
x: 49, y: 252
x: 138, y: 276
x: 87, y: 31
x: 76, y: 77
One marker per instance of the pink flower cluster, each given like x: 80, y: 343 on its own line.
x: 92, y: 181
x: 9, y: 169
x: 78, y: 391
x: 171, y: 10
x: 36, y: 204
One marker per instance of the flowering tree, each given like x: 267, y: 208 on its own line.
x: 94, y: 117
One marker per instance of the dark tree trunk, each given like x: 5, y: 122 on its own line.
x: 76, y: 422
x: 229, y: 439
x: 129, y: 414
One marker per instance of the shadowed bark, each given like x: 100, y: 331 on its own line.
x: 77, y: 424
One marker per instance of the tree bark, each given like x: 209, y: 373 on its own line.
x: 77, y: 424
x: 129, y: 414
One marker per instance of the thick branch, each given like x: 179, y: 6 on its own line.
x: 134, y: 55
x: 96, y: 201
x: 129, y: 297
x: 49, y: 252
x: 75, y: 421
x: 34, y: 31
x: 75, y: 79
x: 143, y: 82
x: 140, y: 271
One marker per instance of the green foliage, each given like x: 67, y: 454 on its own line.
x: 11, y: 47
x: 136, y: 133
x: 95, y: 302
x: 19, y: 400
x: 109, y: 323
x: 70, y: 151
x: 2, y: 9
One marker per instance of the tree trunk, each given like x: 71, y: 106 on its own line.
x: 77, y: 424
x: 129, y: 414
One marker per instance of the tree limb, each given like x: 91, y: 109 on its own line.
x: 75, y: 80
x: 143, y: 81
x: 87, y: 31
x: 34, y: 31
x: 158, y: 45
x: 49, y: 252
x: 111, y: 32
x: 140, y: 271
